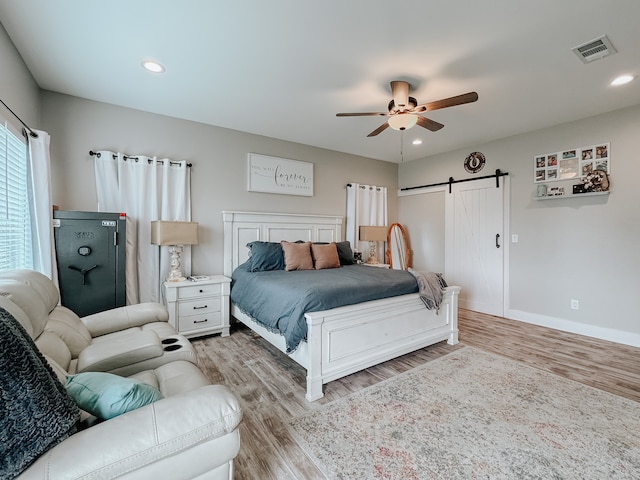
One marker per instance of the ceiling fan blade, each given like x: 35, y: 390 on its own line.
x: 378, y: 130
x: 400, y: 91
x: 429, y: 124
x: 448, y: 102
x: 365, y: 114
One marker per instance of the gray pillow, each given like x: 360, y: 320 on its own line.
x: 266, y: 256
x: 345, y: 253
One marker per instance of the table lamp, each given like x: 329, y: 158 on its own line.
x: 174, y: 235
x: 372, y: 235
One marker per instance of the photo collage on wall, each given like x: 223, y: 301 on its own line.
x: 573, y: 163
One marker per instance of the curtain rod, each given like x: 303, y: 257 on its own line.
x: 364, y: 186
x: 451, y: 181
x: 127, y: 157
x: 31, y: 132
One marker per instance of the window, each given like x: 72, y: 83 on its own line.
x: 15, y: 219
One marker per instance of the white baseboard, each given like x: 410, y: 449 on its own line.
x: 609, y: 334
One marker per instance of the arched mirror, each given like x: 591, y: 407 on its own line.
x: 398, y: 252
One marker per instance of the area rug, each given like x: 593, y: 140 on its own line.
x: 471, y: 415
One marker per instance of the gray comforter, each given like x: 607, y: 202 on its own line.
x: 279, y: 299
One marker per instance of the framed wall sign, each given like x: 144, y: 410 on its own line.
x: 279, y: 175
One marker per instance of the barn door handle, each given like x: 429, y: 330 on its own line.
x: 497, y: 240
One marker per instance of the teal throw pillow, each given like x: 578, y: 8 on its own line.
x: 266, y: 256
x: 106, y: 395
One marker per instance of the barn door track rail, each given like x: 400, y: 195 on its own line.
x: 451, y: 181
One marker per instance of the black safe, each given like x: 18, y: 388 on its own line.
x: 90, y: 251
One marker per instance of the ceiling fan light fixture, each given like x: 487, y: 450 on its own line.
x: 404, y: 110
x: 403, y: 121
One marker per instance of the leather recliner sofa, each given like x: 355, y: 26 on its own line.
x: 190, y: 433
x: 124, y: 340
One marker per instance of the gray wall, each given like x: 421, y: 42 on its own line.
x: 574, y: 248
x: 219, y: 173
x: 423, y: 218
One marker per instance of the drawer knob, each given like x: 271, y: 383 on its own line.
x: 201, y: 321
x: 201, y: 291
x: 200, y: 308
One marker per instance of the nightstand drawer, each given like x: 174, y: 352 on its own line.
x: 200, y: 320
x: 200, y: 290
x: 201, y: 305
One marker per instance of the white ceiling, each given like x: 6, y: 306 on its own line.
x: 284, y: 68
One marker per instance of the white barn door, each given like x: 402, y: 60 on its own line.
x: 475, y: 243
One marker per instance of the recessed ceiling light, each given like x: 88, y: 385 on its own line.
x: 153, y: 66
x: 417, y: 141
x: 621, y: 80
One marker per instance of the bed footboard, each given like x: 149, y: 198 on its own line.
x: 348, y: 339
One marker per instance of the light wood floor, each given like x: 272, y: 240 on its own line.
x: 271, y: 387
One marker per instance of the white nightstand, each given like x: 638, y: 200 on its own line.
x: 199, y: 308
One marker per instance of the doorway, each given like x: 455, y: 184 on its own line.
x: 475, y: 244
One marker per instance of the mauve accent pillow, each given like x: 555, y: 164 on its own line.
x: 266, y: 256
x: 345, y: 253
x: 325, y: 256
x: 297, y: 256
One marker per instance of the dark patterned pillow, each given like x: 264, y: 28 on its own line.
x: 37, y: 412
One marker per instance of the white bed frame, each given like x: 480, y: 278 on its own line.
x: 343, y: 340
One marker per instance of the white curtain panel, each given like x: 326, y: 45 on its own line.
x: 41, y: 205
x: 146, y: 189
x: 366, y: 205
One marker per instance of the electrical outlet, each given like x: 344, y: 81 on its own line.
x: 514, y: 238
x: 575, y: 304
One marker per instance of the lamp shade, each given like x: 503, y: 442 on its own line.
x: 373, y: 234
x: 174, y: 233
x: 403, y: 121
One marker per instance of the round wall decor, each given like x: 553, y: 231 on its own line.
x: 474, y: 162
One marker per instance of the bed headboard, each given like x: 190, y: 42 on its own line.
x: 241, y: 228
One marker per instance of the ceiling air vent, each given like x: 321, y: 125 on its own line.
x: 595, y: 49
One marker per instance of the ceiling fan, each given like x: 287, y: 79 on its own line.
x: 403, y: 109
